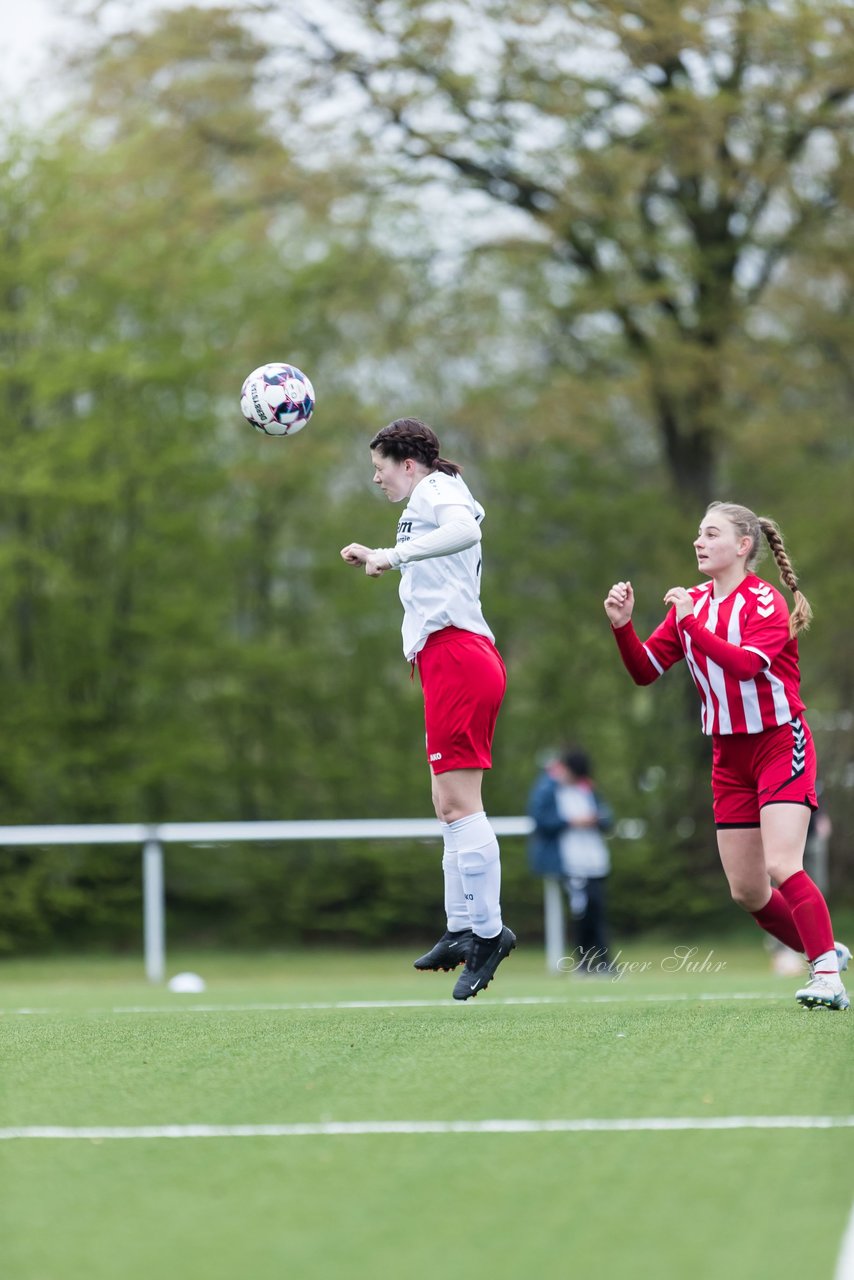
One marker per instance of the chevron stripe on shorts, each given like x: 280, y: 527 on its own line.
x: 799, y: 748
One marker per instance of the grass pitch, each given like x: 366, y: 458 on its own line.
x: 335, y: 1040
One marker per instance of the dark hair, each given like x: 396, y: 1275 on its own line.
x: 412, y: 438
x: 577, y: 761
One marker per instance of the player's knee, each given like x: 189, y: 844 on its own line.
x: 449, y: 810
x: 747, y: 897
x: 780, y: 871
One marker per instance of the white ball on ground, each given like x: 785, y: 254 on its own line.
x: 188, y: 984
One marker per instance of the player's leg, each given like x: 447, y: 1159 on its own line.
x: 784, y: 832
x: 454, y: 801
x: 456, y: 906
x: 459, y: 803
x: 736, y: 810
x: 456, y: 794
x: 471, y: 865
x: 743, y: 860
x: 785, y: 771
x: 464, y: 680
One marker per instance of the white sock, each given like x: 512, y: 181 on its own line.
x: 480, y: 871
x: 826, y: 963
x: 456, y: 907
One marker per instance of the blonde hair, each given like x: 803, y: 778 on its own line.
x: 749, y: 525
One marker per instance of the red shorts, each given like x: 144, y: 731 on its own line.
x: 750, y: 770
x: 463, y: 679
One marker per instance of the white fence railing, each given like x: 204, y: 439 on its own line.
x: 153, y: 837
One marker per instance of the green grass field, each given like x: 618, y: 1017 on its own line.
x: 87, y: 1043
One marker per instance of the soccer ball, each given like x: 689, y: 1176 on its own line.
x: 277, y: 399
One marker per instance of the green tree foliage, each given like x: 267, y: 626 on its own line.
x: 677, y: 277
x: 668, y: 159
x: 613, y: 270
x: 167, y: 570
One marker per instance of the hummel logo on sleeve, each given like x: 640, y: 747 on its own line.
x: 764, y: 600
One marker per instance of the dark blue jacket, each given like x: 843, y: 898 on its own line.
x: 544, y: 844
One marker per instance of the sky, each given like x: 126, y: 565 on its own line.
x: 29, y: 80
x: 29, y: 27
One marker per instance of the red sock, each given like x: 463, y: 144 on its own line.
x: 776, y: 918
x: 809, y: 912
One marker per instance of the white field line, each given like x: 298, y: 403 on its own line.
x: 256, y: 1007
x: 360, y: 1128
x: 845, y: 1261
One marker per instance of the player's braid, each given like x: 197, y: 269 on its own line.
x: 412, y: 438
x: 801, y: 615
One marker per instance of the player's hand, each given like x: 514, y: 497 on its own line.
x: 619, y: 603
x: 376, y: 564
x: 355, y: 553
x: 681, y: 601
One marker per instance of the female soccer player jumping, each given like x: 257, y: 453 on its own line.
x: 462, y: 677
x: 739, y: 641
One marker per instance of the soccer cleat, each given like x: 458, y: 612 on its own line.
x: 451, y: 950
x: 823, y: 991
x: 483, y: 959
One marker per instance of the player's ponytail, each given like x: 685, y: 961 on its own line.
x: 412, y: 438
x: 749, y: 525
x: 801, y: 616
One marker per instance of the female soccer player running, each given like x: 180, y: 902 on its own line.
x: 462, y: 677
x: 738, y: 639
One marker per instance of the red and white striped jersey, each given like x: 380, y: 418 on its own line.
x: 737, y: 695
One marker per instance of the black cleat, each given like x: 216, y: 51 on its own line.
x: 483, y: 959
x: 450, y: 951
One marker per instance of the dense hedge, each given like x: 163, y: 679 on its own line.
x: 361, y: 893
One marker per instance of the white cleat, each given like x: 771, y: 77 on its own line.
x: 823, y: 991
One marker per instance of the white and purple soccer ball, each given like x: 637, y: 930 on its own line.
x: 277, y: 399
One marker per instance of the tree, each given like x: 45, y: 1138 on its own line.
x: 183, y: 641
x: 671, y: 162
x: 183, y: 635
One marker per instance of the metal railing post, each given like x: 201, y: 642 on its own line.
x: 154, y: 836
x: 154, y: 915
x: 553, y: 921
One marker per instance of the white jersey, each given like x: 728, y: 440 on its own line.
x: 443, y: 591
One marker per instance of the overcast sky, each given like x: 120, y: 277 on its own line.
x: 30, y: 30
x: 26, y: 29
